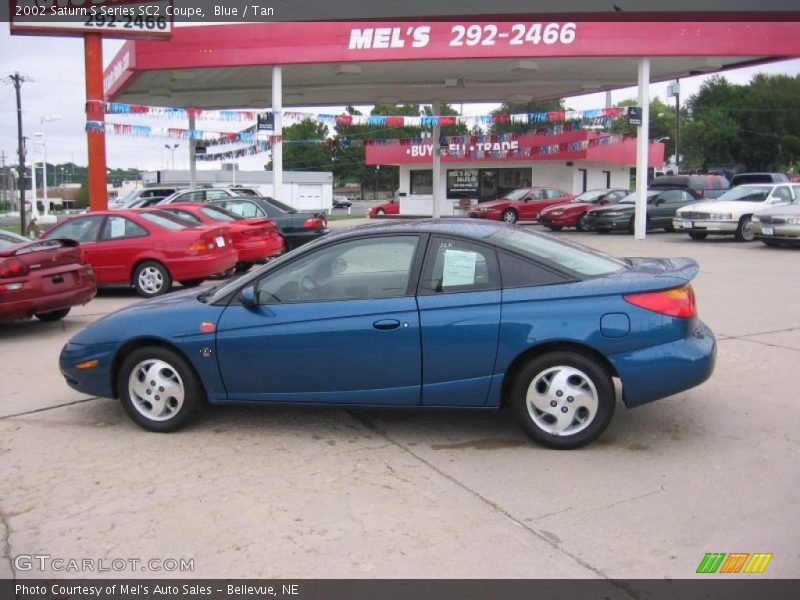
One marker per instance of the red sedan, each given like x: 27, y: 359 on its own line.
x: 255, y: 239
x: 148, y: 250
x: 42, y: 278
x: 523, y: 204
x: 387, y: 208
x: 573, y: 214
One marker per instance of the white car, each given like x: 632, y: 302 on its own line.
x: 731, y: 213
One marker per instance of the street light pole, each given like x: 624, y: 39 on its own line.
x: 674, y: 89
x: 172, y: 149
x: 43, y: 120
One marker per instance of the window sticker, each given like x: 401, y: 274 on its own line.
x: 117, y: 228
x: 459, y: 268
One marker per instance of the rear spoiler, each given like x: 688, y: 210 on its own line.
x: 38, y: 245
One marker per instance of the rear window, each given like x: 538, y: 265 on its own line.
x: 164, y: 221
x: 219, y: 214
x: 564, y: 255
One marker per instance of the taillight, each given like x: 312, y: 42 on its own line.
x: 13, y: 267
x: 314, y: 223
x: 202, y: 245
x: 255, y: 231
x: 677, y: 302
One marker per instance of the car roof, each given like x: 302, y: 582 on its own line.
x: 477, y: 229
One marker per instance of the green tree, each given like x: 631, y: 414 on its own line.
x: 662, y: 123
x: 82, y: 196
x: 306, y: 157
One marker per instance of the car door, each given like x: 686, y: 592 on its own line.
x: 336, y: 325
x: 531, y: 205
x: 663, y: 207
x: 459, y: 302
x: 121, y: 241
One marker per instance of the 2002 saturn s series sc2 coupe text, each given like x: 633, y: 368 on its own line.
x: 456, y: 313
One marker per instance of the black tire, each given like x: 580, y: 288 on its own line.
x: 554, y: 227
x: 509, y: 216
x: 151, y: 278
x: 55, y: 315
x: 770, y: 243
x: 744, y: 230
x: 698, y: 235
x: 669, y: 228
x: 583, y: 223
x: 243, y: 267
x: 166, y: 364
x: 584, y: 375
x: 190, y: 283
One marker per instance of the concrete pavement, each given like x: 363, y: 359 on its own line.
x: 279, y: 492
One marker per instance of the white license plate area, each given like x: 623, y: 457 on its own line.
x: 220, y: 241
x: 767, y: 231
x: 687, y: 224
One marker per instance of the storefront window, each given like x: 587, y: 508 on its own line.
x: 422, y: 182
x: 509, y: 180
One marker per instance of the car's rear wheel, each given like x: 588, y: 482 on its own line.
x: 698, y: 235
x: 151, y: 278
x: 54, y: 315
x: 563, y: 399
x: 583, y: 223
x: 744, y: 230
x: 158, y: 389
x: 554, y: 227
x: 243, y: 267
x: 510, y: 216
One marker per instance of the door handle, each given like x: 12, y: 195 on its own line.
x: 386, y: 324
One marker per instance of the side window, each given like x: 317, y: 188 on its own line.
x: 614, y: 196
x: 518, y: 272
x: 364, y: 269
x: 247, y: 210
x: 782, y: 193
x: 117, y: 228
x: 195, y: 196
x: 670, y: 196
x: 687, y: 197
x: 536, y: 195
x: 84, y: 229
x: 216, y: 195
x: 796, y: 190
x: 554, y: 193
x: 458, y: 266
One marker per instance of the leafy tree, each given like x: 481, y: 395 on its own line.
x: 305, y: 157
x: 82, y: 197
x: 662, y: 123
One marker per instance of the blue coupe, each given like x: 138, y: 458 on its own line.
x: 433, y: 313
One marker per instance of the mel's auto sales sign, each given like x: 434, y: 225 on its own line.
x: 112, y: 18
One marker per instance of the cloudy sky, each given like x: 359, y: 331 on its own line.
x: 54, y: 67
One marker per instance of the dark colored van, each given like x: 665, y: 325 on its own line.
x: 741, y: 178
x: 700, y: 186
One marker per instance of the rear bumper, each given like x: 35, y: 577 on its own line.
x: 34, y: 298
x: 200, y: 267
x: 660, y: 371
x: 260, y: 249
x: 558, y: 221
x: 295, y: 239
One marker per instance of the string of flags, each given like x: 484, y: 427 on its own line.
x: 162, y: 112
x: 257, y: 148
x: 210, y: 138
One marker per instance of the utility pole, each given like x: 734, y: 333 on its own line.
x: 18, y: 80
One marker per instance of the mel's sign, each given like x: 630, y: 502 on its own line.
x: 112, y: 18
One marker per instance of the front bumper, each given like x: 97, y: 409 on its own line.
x: 558, y: 220
x: 779, y: 232
x: 494, y: 215
x: 660, y: 371
x: 95, y: 381
x: 610, y: 223
x: 705, y: 226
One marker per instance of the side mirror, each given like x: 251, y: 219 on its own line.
x: 248, y: 297
x: 604, y: 202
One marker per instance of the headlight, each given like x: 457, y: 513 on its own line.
x: 793, y: 221
x: 614, y: 213
x: 483, y: 209
x: 721, y: 216
x: 555, y: 212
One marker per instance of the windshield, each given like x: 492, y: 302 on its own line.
x: 219, y: 214
x: 591, y: 196
x: 565, y: 255
x: 244, y: 192
x: 516, y: 194
x: 751, y: 193
x: 129, y: 197
x: 631, y: 198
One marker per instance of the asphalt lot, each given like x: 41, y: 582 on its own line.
x: 315, y: 493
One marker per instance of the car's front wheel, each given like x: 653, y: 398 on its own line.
x: 583, y: 223
x: 744, y: 230
x: 158, y: 389
x: 563, y: 399
x: 510, y: 216
x: 151, y: 278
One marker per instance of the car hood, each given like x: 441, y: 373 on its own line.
x: 172, y: 316
x: 739, y: 207
x: 494, y: 204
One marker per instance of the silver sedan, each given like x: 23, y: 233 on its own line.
x: 779, y: 226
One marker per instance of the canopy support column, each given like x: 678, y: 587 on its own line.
x: 642, y: 146
x: 437, y: 163
x: 277, y: 145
